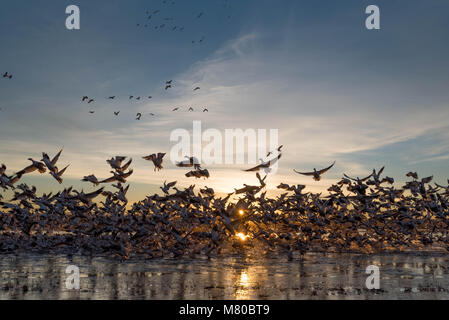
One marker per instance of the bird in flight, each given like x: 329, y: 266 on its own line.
x: 58, y: 174
x: 192, y: 162
x: 138, y: 116
x: 91, y: 111
x: 413, y: 175
x: 116, y: 113
x: 85, y: 98
x: 92, y: 179
x: 7, y: 75
x: 316, y: 174
x: 175, y: 109
x: 200, y: 173
x: 167, y: 86
x: 271, y: 152
x: 167, y: 186
x: 205, y: 110
x: 157, y: 160
x: 196, y: 89
x: 118, y: 176
x: 90, y: 101
x: 36, y: 165
x: 191, y: 109
x: 130, y: 97
x: 116, y: 162
x: 265, y: 165
x: 112, y: 97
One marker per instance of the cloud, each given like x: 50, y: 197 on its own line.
x: 247, y: 83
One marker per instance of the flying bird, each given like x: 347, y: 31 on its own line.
x: 191, y: 162
x: 32, y: 167
x: 196, y: 89
x: 157, y: 160
x: 51, y: 164
x: 414, y: 175
x: 116, y: 162
x: 167, y: 186
x: 58, y: 174
x: 278, y: 150
x: 265, y: 165
x: 138, y: 116
x: 316, y: 174
x: 92, y: 179
x: 200, y: 173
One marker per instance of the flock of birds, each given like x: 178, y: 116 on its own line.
x: 168, y: 84
x: 153, y: 20
x: 366, y: 215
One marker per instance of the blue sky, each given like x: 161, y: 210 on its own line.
x: 335, y: 90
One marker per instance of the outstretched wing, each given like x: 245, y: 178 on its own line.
x: 349, y: 177
x: 56, y: 158
x: 273, y: 161
x: 60, y: 173
x: 305, y: 173
x: 256, y: 168
x: 326, y: 169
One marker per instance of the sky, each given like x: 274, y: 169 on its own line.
x: 334, y: 90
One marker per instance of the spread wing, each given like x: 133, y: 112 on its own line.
x: 273, y: 161
x: 256, y: 168
x: 304, y: 173
x: 326, y: 169
x: 60, y: 173
x: 56, y: 158
x: 349, y: 177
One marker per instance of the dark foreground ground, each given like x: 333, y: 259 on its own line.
x: 315, y: 275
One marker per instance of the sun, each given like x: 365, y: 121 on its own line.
x: 241, y: 236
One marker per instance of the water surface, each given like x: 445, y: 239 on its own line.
x: 314, y: 276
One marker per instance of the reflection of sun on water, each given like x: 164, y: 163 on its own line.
x: 244, y: 279
x: 243, y: 288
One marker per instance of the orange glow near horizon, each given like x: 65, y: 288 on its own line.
x: 241, y: 236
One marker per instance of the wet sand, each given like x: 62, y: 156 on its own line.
x: 314, y: 276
